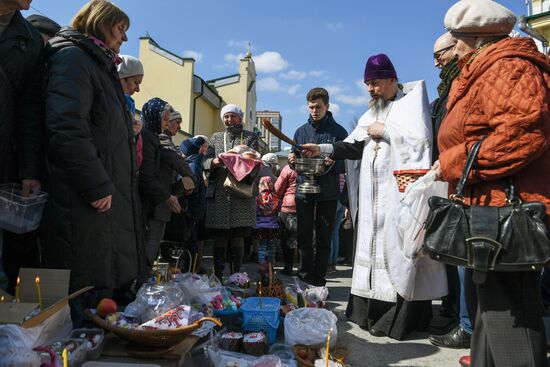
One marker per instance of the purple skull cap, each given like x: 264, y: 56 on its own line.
x: 379, y: 67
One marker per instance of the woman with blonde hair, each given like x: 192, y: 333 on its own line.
x: 92, y: 219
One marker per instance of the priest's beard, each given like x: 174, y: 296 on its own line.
x: 377, y: 104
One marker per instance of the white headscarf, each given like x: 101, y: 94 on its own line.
x: 231, y: 108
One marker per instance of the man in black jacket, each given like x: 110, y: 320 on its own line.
x: 452, y: 305
x: 21, y: 113
x: 317, y: 211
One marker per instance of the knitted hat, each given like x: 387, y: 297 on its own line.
x: 231, y: 108
x: 44, y: 24
x: 379, y: 67
x: 270, y: 158
x: 130, y: 66
x: 192, y: 145
x: 479, y: 18
x: 175, y: 115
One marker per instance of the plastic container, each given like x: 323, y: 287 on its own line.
x: 94, y: 352
x: 20, y: 214
x: 117, y: 364
x: 262, y: 314
x: 76, y: 356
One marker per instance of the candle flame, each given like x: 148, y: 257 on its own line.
x: 18, y: 280
x: 37, y: 280
x: 2, y: 299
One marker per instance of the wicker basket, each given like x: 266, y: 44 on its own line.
x: 337, y: 354
x: 151, y: 338
x: 405, y: 177
x: 275, y: 288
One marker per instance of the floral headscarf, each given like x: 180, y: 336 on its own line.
x: 267, y: 201
x: 151, y: 114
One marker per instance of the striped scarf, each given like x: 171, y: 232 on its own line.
x: 447, y: 75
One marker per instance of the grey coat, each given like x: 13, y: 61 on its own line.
x: 224, y: 211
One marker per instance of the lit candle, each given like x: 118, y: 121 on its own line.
x: 2, y: 299
x: 65, y: 356
x: 17, y: 289
x: 260, y: 292
x: 195, y: 263
x: 37, y: 281
x: 328, y: 346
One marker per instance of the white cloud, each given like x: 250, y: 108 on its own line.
x: 300, y: 75
x: 316, y: 73
x: 334, y: 108
x: 233, y: 58
x: 270, y: 62
x: 238, y: 44
x: 293, y: 74
x: 293, y: 89
x: 193, y: 54
x: 361, y: 99
x: 269, y: 84
x: 334, y: 90
x: 353, y: 100
x: 334, y: 26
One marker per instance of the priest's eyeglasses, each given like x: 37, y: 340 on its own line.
x: 439, y: 53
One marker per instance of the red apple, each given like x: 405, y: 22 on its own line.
x: 105, y: 307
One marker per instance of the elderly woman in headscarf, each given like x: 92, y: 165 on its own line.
x: 228, y: 218
x: 158, y: 173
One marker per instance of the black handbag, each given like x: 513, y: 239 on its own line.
x: 513, y: 237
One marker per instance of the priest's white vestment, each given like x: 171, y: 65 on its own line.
x: 375, y: 199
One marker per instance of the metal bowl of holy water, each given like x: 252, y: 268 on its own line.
x: 309, y: 168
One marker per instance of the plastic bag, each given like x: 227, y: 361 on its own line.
x: 310, y: 326
x: 198, y: 289
x: 309, y: 293
x: 155, y: 300
x: 267, y: 361
x: 414, y: 211
x: 20, y: 358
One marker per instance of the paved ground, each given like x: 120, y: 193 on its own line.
x: 369, y: 351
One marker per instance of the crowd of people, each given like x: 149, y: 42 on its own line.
x: 118, y: 187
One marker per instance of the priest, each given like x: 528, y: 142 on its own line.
x: 394, y: 134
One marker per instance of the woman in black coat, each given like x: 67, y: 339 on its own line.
x: 161, y: 165
x: 92, y: 219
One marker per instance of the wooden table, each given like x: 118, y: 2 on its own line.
x: 119, y: 350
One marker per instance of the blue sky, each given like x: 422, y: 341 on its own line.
x: 297, y: 45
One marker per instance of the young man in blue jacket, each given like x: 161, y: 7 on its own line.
x: 316, y: 212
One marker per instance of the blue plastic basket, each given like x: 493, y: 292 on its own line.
x: 264, y: 319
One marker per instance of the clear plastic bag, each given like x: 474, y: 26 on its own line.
x: 310, y: 326
x: 414, y: 212
x: 156, y: 300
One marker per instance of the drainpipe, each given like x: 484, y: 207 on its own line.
x: 525, y: 27
x: 194, y: 108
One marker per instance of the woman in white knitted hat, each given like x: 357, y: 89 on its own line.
x: 228, y: 218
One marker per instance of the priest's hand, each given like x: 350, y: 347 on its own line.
x: 376, y: 130
x: 311, y: 150
x: 438, y: 171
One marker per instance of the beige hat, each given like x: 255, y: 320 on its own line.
x: 479, y: 18
x: 130, y: 66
